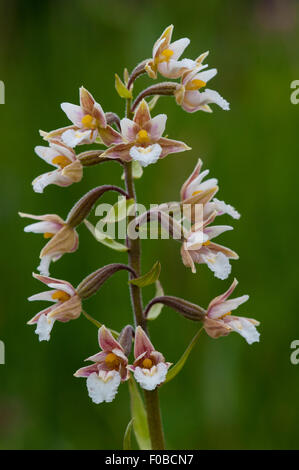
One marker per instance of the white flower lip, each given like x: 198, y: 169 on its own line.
x: 103, y: 387
x: 146, y: 156
x: 150, y: 379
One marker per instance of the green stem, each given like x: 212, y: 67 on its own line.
x: 134, y: 253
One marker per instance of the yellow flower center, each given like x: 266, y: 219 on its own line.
x: 206, y: 243
x: 228, y: 313
x: 196, y: 192
x: 48, y: 235
x: 147, y: 363
x: 112, y: 361
x: 61, y: 160
x: 143, y: 137
x: 165, y: 55
x: 89, y: 121
x: 195, y: 84
x: 60, y: 295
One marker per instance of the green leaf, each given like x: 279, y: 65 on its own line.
x: 173, y: 371
x: 139, y: 417
x: 127, y: 436
x: 152, y: 103
x: 104, y: 239
x: 156, y: 308
x: 137, y: 170
x: 148, y: 278
x: 121, y: 88
x: 119, y: 211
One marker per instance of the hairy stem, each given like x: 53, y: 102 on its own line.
x: 151, y: 397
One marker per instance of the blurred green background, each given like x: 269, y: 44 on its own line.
x: 229, y: 395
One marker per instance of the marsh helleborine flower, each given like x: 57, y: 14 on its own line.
x: 198, y: 248
x: 194, y: 186
x: 220, y: 322
x: 108, y: 370
x: 87, y: 119
x: 69, y: 169
x: 166, y: 55
x: 188, y: 95
x: 150, y: 368
x: 67, y: 305
x: 142, y: 138
x: 63, y: 238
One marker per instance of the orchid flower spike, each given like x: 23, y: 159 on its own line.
x: 220, y: 322
x: 150, y: 368
x: 69, y: 169
x: 87, y: 119
x: 198, y: 248
x: 63, y: 238
x: 142, y: 138
x: 195, y: 190
x: 166, y: 55
x: 67, y: 305
x: 108, y: 370
x: 189, y: 97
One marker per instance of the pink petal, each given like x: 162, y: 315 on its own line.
x: 86, y: 371
x: 110, y: 136
x: 142, y: 343
x: 213, y: 232
x: 193, y: 175
x: 156, y: 127
x: 142, y: 114
x: 227, y: 306
x: 221, y: 298
x: 51, y: 280
x: 171, y: 146
x: 121, y: 151
x: 129, y: 129
x: 106, y: 340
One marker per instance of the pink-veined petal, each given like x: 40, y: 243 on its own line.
x: 142, y: 343
x: 156, y: 127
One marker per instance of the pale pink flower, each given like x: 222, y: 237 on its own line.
x: 68, y: 168
x: 166, y: 55
x: 67, y: 305
x: 87, y: 119
x: 220, y: 322
x: 188, y: 95
x: 142, y: 138
x: 198, y: 248
x: 150, y: 368
x: 63, y: 238
x: 194, y: 187
x: 108, y: 370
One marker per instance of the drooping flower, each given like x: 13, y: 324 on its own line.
x: 166, y: 54
x: 108, y: 370
x: 188, y: 95
x: 67, y: 305
x: 63, y: 238
x: 194, y: 190
x: 87, y: 119
x: 68, y: 168
x: 198, y: 248
x: 142, y: 138
x: 150, y: 368
x: 220, y: 322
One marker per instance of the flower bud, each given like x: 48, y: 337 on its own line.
x: 185, y: 308
x: 125, y: 339
x: 91, y: 284
x: 83, y: 207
